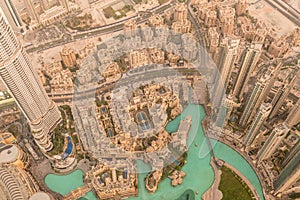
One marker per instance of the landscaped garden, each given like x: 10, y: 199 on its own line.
x: 116, y: 14
x: 66, y: 126
x: 233, y: 187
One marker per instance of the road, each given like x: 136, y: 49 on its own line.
x: 285, y: 9
x: 98, y: 31
x: 68, y: 97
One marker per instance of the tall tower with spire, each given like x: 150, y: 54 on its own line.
x: 18, y: 75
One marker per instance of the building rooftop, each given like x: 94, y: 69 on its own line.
x: 8, y: 153
x: 40, y: 196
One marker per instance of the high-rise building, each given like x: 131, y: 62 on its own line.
x: 257, y: 96
x: 225, y: 111
x: 282, y: 94
x: 291, y: 171
x: 292, y: 154
x: 294, y: 115
x: 22, y: 81
x: 12, y: 15
x: 68, y: 57
x: 31, y: 9
x: 259, y: 119
x: 273, y: 142
x: 226, y: 17
x: 248, y: 62
x: 213, y: 42
x: 227, y: 56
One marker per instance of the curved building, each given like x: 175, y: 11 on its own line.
x: 11, y: 154
x: 23, y: 83
x: 16, y: 184
x: 41, y: 196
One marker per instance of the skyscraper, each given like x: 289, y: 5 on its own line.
x: 248, y: 62
x: 21, y: 80
x: 282, y: 94
x: 292, y: 154
x: 294, y: 116
x: 12, y: 15
x: 259, y: 119
x: 227, y: 56
x: 291, y: 171
x: 225, y: 63
x: 273, y: 142
x: 257, y: 97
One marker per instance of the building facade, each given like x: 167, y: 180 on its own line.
x: 259, y: 119
x: 12, y: 15
x: 282, y: 94
x: 290, y: 174
x: 273, y: 142
x: 248, y: 62
x: 294, y: 115
x: 18, y: 75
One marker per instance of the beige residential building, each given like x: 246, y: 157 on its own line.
x: 213, y: 40
x: 138, y: 58
x: 241, y: 7
x: 210, y: 19
x: 180, y: 13
x: 182, y: 26
x: 226, y: 17
x: 278, y: 48
x: 156, y: 20
x: 248, y: 62
x: 259, y: 119
x: 130, y: 27
x: 294, y: 115
x: 68, y: 57
x: 273, y: 142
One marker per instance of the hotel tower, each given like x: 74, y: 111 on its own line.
x: 18, y: 75
x: 12, y: 15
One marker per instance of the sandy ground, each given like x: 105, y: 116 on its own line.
x: 53, y: 54
x: 295, y: 4
x: 263, y: 11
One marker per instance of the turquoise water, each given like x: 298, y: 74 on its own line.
x: 238, y: 162
x: 199, y: 176
x: 63, y: 184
